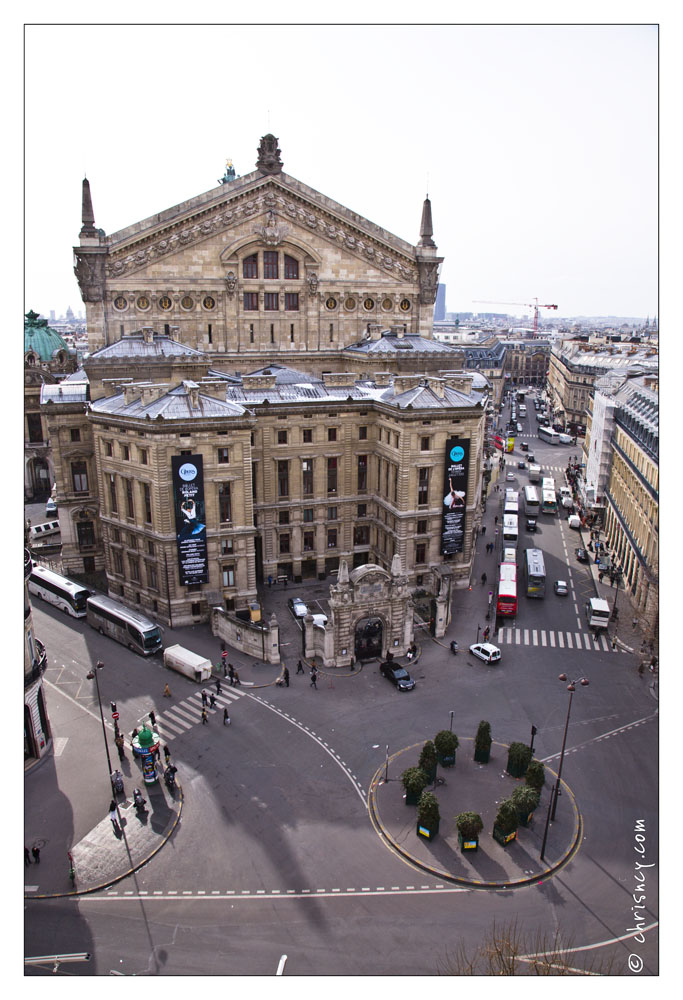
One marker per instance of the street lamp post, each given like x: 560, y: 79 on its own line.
x: 552, y: 805
x: 451, y: 727
x: 92, y: 675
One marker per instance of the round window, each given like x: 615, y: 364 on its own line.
x: 143, y: 302
x: 387, y: 304
x: 208, y: 302
x: 368, y: 303
x: 165, y: 302
x: 120, y: 302
x: 405, y: 305
x: 187, y: 302
x: 350, y: 302
x: 331, y: 302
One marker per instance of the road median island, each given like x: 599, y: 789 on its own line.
x: 480, y: 788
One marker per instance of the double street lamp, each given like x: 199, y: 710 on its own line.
x: 552, y: 805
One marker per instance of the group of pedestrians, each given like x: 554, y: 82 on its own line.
x: 35, y: 852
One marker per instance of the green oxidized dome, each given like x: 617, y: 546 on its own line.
x: 42, y: 339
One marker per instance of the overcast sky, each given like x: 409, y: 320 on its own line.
x: 537, y: 145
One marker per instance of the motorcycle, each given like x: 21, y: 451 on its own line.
x: 138, y: 800
x: 454, y: 647
x: 169, y: 777
x: 117, y: 781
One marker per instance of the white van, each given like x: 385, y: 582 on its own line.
x: 565, y: 439
x: 574, y: 521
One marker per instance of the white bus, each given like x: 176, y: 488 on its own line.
x: 549, y: 502
x: 532, y: 504
x: 55, y: 589
x: 534, y: 573
x: 128, y: 627
x: 511, y: 505
x: 548, y: 483
x: 510, y: 530
x: 549, y: 435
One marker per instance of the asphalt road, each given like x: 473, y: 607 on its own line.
x: 276, y: 855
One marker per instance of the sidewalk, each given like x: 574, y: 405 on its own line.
x: 66, y: 808
x: 479, y: 788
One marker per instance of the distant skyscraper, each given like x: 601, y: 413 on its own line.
x: 440, y: 304
x: 52, y: 315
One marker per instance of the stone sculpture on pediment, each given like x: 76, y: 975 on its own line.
x: 273, y: 232
x: 269, y: 161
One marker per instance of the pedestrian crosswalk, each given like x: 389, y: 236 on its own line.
x: 178, y: 718
x: 552, y: 639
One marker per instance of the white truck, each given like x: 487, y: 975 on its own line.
x: 534, y: 473
x: 184, y: 661
x: 597, y: 613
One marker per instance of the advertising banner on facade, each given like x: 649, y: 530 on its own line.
x: 190, y: 518
x: 456, y: 471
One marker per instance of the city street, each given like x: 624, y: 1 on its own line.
x: 275, y: 853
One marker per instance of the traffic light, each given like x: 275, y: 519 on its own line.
x: 114, y: 713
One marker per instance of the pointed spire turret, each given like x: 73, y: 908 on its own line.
x: 426, y: 230
x: 87, y: 214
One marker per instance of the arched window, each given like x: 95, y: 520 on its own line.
x: 291, y: 267
x: 250, y: 266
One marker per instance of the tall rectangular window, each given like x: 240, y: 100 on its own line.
x: 309, y: 541
x: 250, y: 266
x: 331, y: 433
x: 331, y: 538
x: 361, y: 534
x: 362, y: 433
x: 79, y: 476
x: 35, y: 427
x: 228, y: 576
x: 251, y: 301
x: 422, y: 487
x: 291, y: 267
x: 362, y: 473
x: 271, y: 301
x: 147, y: 500
x: 292, y: 302
x: 75, y: 434
x: 86, y: 534
x: 307, y: 435
x: 282, y: 437
x: 332, y: 513
x: 134, y: 564
x: 283, y: 478
x: 152, y: 579
x: 223, y: 456
x: 284, y: 543
x: 332, y: 470
x: 130, y: 505
x: 308, y: 515
x: 270, y: 268
x: 113, y: 499
x: 143, y: 456
x: 420, y: 552
x: 117, y: 561
x: 224, y: 504
x: 307, y: 476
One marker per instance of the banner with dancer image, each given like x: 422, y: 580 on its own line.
x: 456, y: 472
x: 190, y: 518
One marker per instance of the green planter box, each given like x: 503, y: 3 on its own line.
x: 525, y: 818
x: 504, y: 838
x: 428, y: 832
x: 516, y: 769
x: 468, y: 843
x: 446, y: 760
x: 482, y: 755
x: 431, y: 774
x: 412, y: 799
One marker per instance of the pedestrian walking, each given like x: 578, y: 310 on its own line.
x: 205, y: 717
x: 483, y: 579
x: 218, y: 685
x: 119, y: 746
x: 285, y: 676
x: 483, y: 529
x: 238, y: 683
x: 35, y: 851
x: 27, y: 856
x: 212, y: 700
x: 112, y: 816
x: 314, y: 678
x: 226, y: 717
x: 495, y: 520
x: 299, y: 667
x: 153, y: 719
x: 231, y: 674
x: 205, y: 698
x: 167, y: 754
x: 167, y: 692
x: 132, y: 738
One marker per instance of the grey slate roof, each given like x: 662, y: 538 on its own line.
x: 389, y: 343
x: 65, y: 392
x: 172, y: 405
x: 134, y: 346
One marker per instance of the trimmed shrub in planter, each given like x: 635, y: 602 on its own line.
x: 445, y: 744
x: 506, y: 822
x: 470, y: 825
x: 525, y: 799
x: 414, y: 783
x: 519, y: 758
x: 482, y: 743
x: 427, y: 761
x: 535, y: 775
x: 428, y: 815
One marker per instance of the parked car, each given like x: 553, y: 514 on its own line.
x: 297, y: 606
x: 567, y: 502
x: 582, y: 555
x: 510, y: 477
x: 531, y: 524
x: 50, y: 508
x: 560, y: 587
x: 574, y: 521
x: 398, y: 675
x: 485, y: 651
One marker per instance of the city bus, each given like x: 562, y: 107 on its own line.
x: 548, y: 483
x: 510, y: 530
x: 55, y: 589
x: 532, y: 504
x: 506, y: 596
x: 534, y: 573
x: 128, y: 627
x: 549, y: 502
x: 549, y: 435
x: 511, y: 505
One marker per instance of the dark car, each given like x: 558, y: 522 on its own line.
x: 398, y: 675
x: 521, y: 465
x: 582, y: 555
x: 524, y: 446
x: 531, y: 524
x: 531, y: 457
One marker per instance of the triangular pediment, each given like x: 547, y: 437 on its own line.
x: 277, y: 207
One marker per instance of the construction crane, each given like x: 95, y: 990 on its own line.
x: 529, y: 305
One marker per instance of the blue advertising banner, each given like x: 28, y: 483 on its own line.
x: 190, y: 518
x: 456, y: 472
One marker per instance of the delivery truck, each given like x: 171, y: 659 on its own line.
x: 184, y: 661
x: 597, y: 613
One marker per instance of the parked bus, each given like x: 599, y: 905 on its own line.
x: 549, y: 502
x: 511, y: 505
x: 534, y: 573
x: 548, y: 483
x: 549, y: 435
x: 532, y: 504
x: 534, y: 473
x: 55, y: 589
x: 128, y: 627
x: 506, y: 596
x: 510, y: 529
